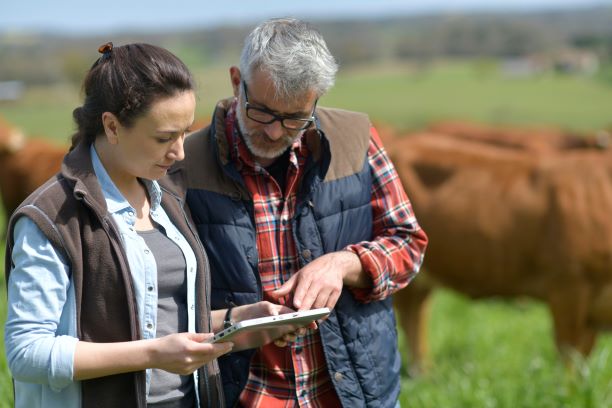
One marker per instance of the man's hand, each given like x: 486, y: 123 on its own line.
x: 319, y: 284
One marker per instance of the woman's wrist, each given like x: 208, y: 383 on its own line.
x: 227, y: 320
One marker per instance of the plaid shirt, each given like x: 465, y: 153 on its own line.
x: 297, y: 375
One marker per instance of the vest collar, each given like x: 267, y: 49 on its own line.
x: 78, y: 168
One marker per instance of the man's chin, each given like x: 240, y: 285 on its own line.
x: 267, y: 154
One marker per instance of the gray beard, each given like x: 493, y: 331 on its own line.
x: 247, y: 137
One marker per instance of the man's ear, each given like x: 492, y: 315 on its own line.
x: 236, y: 78
x: 111, y: 127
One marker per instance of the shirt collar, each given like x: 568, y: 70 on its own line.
x: 115, y: 201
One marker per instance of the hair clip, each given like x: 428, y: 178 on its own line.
x: 105, y: 50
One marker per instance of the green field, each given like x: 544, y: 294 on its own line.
x: 491, y: 353
x: 400, y: 95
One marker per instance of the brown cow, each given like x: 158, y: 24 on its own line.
x: 25, y: 164
x: 507, y: 222
x: 535, y: 139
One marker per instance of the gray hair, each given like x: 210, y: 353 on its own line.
x: 293, y: 54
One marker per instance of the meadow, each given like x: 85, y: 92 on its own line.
x: 487, y: 353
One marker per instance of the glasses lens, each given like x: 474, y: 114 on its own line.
x: 296, y: 124
x: 265, y: 117
x: 260, y: 116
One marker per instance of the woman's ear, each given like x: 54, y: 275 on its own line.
x: 111, y: 127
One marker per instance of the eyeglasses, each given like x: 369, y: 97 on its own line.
x: 266, y: 116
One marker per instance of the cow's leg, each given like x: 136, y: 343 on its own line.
x: 412, y: 305
x: 569, y: 307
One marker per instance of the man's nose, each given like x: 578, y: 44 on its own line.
x: 274, y: 130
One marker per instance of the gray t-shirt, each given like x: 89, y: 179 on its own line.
x: 169, y: 390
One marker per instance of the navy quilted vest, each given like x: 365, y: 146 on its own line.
x: 360, y: 340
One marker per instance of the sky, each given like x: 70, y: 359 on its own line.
x: 83, y: 16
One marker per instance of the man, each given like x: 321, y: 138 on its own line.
x: 300, y: 205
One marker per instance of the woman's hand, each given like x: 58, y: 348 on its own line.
x: 183, y: 353
x: 180, y: 353
x: 259, y: 309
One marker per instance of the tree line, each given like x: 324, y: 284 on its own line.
x: 42, y: 58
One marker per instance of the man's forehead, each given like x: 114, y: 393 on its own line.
x: 262, y: 91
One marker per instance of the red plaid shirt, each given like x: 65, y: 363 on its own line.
x: 297, y: 375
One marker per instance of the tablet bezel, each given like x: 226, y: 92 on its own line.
x: 257, y: 332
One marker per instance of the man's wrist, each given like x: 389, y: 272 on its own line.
x: 354, y: 274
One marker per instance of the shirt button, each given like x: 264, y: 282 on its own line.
x: 150, y: 288
x: 303, y: 393
x: 338, y: 376
x: 146, y: 251
x: 192, y: 307
x: 149, y: 325
x: 284, y: 221
x: 191, y: 269
x: 298, y: 350
x: 306, y: 254
x: 131, y: 213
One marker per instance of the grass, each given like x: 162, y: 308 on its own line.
x: 495, y: 353
x: 488, y: 353
x: 399, y: 95
x: 409, y: 98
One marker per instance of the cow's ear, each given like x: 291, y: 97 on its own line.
x: 16, y: 141
x: 111, y: 127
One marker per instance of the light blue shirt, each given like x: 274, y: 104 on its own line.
x: 40, y: 332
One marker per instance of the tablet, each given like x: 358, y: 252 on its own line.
x: 254, y: 333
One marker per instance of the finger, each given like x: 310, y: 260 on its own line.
x: 223, y: 348
x: 276, y: 309
x: 285, y: 309
x: 315, y: 298
x: 332, y: 300
x: 280, y: 343
x: 285, y: 289
x: 198, y: 337
x: 211, y: 351
x: 303, y: 294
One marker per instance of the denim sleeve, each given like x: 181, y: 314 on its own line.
x: 39, y: 345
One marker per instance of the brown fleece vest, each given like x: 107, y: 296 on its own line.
x: 71, y: 211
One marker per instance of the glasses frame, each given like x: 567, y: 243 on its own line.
x: 275, y: 117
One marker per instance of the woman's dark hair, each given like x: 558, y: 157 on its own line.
x: 125, y: 81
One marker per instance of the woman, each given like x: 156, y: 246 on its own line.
x: 107, y: 281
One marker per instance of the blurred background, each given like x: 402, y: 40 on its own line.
x: 409, y: 65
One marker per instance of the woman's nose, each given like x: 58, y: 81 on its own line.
x: 176, y: 151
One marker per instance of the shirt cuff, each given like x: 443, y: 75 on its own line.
x: 61, y: 370
x: 374, y: 270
